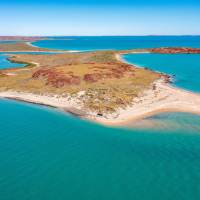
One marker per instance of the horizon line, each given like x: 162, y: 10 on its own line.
x: 98, y: 35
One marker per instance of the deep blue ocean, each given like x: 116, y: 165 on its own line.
x: 47, y: 155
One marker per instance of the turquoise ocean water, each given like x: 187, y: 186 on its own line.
x: 185, y: 68
x: 46, y: 154
x: 117, y: 42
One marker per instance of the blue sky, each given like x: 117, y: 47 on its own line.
x: 100, y: 17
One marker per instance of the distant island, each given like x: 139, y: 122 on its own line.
x: 24, y: 47
x: 22, y: 38
x: 98, y: 85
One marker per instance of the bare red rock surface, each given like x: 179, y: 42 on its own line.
x: 56, y: 79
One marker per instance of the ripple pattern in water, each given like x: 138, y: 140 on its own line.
x: 48, y: 155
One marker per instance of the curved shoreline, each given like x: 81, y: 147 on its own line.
x: 28, y: 47
x: 53, y: 51
x: 160, y: 97
x: 164, y: 99
x: 35, y: 51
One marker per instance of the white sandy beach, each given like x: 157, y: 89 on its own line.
x: 163, y: 98
x: 53, y: 51
x: 160, y: 97
x: 49, y: 100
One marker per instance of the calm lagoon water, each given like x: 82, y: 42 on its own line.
x: 4, y: 63
x: 47, y: 155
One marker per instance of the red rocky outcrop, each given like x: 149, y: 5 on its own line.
x: 175, y: 50
x: 56, y: 79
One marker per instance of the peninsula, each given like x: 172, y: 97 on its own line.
x: 95, y: 85
x: 23, y: 47
x: 22, y: 38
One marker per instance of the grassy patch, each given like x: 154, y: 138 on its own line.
x: 107, y: 83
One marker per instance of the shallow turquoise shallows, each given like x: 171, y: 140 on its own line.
x: 4, y: 63
x: 48, y: 155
